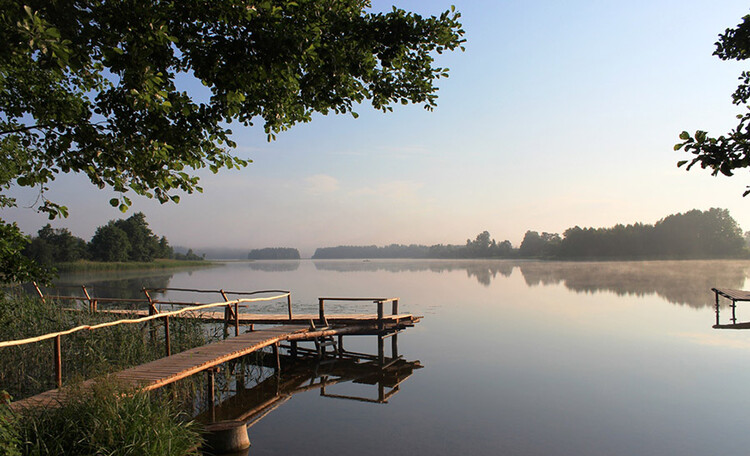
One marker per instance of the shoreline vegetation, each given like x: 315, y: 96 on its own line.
x: 87, y: 265
x: 711, y: 234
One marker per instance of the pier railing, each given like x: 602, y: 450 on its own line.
x: 93, y: 302
x: 379, y: 301
x: 231, y: 311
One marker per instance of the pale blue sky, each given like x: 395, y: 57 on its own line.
x: 558, y: 114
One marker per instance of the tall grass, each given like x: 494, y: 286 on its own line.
x: 108, y: 420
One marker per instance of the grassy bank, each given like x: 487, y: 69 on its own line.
x: 106, y: 420
x: 85, y: 265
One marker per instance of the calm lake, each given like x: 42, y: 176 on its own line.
x: 520, y: 358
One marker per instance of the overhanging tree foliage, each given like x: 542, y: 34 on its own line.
x: 729, y: 152
x: 100, y: 87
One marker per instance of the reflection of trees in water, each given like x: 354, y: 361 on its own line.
x: 483, y: 271
x: 679, y: 282
x: 274, y: 265
x: 126, y: 286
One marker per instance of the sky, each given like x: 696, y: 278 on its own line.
x: 557, y: 114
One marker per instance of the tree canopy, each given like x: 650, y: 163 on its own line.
x: 726, y: 153
x: 101, y: 88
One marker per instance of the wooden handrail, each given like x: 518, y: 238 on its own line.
x: 11, y: 343
x: 378, y: 301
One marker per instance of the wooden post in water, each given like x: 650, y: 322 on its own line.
x: 394, y: 307
x: 278, y: 358
x: 381, y: 350
x: 167, y: 344
x: 321, y: 310
x: 394, y: 346
x: 340, y: 345
x: 380, y: 315
x: 293, y: 349
x: 58, y: 362
x: 289, y: 304
x: 717, y: 308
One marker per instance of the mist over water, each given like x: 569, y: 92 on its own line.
x: 520, y: 358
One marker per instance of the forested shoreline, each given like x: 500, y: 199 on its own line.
x: 690, y: 235
x: 119, y: 241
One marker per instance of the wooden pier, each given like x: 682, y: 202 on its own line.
x: 319, y: 329
x: 734, y: 296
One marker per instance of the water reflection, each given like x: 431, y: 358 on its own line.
x: 274, y: 265
x: 679, y: 282
x: 117, y: 284
x: 483, y: 271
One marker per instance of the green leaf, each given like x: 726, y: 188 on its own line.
x: 684, y: 135
x: 114, y: 202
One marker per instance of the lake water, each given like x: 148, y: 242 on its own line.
x: 520, y: 358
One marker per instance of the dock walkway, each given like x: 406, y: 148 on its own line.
x: 161, y: 372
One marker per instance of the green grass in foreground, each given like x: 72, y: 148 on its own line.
x: 107, y: 420
x: 86, y: 265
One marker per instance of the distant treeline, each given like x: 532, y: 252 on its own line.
x: 122, y: 240
x: 274, y: 253
x: 694, y: 234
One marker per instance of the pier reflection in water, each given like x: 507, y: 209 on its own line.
x: 253, y: 388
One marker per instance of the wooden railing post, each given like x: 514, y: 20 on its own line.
x: 92, y: 303
x: 167, y: 343
x: 321, y: 309
x: 394, y: 307
x: 236, y: 319
x: 289, y: 304
x: 380, y: 314
x: 151, y: 308
x: 58, y: 362
x: 39, y: 292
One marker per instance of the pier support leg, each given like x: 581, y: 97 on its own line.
x: 381, y: 350
x: 717, y: 309
x: 293, y: 349
x: 340, y: 345
x: 734, y: 310
x: 394, y: 346
x: 210, y: 393
x: 278, y: 358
